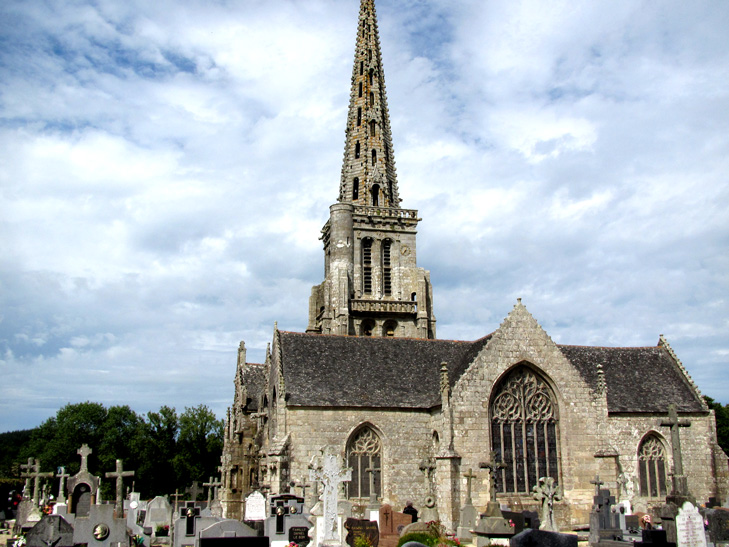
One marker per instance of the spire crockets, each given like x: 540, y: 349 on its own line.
x: 368, y: 172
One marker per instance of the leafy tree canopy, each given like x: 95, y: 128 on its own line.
x: 166, y: 451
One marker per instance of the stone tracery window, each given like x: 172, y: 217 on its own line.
x: 524, y: 431
x: 652, y: 467
x: 364, y: 451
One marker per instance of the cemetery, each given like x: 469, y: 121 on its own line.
x: 315, y: 513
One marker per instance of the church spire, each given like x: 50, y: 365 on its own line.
x: 368, y: 171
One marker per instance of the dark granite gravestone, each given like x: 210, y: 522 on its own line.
x: 632, y: 523
x: 719, y: 526
x: 299, y: 535
x: 654, y: 538
x: 604, y: 523
x: 51, y: 531
x: 531, y: 519
x: 362, y: 527
x: 542, y: 538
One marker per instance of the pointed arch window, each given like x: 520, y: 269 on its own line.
x: 356, y: 150
x: 355, y: 189
x: 524, y: 430
x: 360, y: 89
x: 359, y: 116
x: 364, y: 456
x: 652, y: 467
x: 373, y: 128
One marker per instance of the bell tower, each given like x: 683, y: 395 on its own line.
x: 372, y: 285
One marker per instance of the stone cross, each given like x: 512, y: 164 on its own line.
x: 331, y: 475
x: 547, y: 493
x: 176, y: 496
x: 598, y: 483
x: 28, y: 468
x: 212, y: 484
x: 194, y: 490
x: 678, y: 478
x: 373, y: 495
x: 35, y: 473
x: 493, y: 466
x: 61, y: 474
x: 119, y: 475
x: 84, y: 452
x: 469, y: 477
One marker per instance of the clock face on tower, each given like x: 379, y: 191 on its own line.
x: 405, y: 250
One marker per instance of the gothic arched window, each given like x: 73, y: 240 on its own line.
x: 367, y: 266
x: 364, y: 456
x: 386, y: 267
x: 524, y: 430
x: 652, y: 467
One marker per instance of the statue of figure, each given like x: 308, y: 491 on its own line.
x: 547, y: 493
x: 626, y: 482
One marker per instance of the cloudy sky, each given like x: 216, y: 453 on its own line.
x: 166, y: 167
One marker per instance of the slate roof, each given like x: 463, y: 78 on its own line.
x: 638, y: 379
x: 253, y: 377
x: 351, y: 371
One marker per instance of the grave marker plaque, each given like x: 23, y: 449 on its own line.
x: 362, y: 527
x: 690, y: 527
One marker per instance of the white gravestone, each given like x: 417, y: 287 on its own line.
x: 331, y: 475
x: 690, y: 527
x: 256, y: 507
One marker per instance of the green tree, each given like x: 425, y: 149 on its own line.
x: 722, y: 422
x: 199, y: 445
x: 157, y: 471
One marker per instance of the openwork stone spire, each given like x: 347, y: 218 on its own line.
x: 368, y: 172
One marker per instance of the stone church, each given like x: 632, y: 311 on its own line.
x: 370, y: 378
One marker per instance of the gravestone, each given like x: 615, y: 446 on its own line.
x: 256, y: 507
x: 51, y: 531
x: 654, y: 538
x: 330, y: 475
x: 230, y: 533
x: 468, y: 516
x: 362, y: 527
x: 603, y: 521
x: 286, y: 512
x: 391, y: 525
x: 157, y: 516
x: 119, y: 474
x: 546, y: 493
x: 719, y: 526
x: 100, y: 528
x: 517, y: 519
x: 690, y: 527
x: 83, y: 487
x: 542, y: 538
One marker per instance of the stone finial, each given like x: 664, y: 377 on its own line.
x: 601, y: 385
x: 444, y: 382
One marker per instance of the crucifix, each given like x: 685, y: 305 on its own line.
x: 212, y: 484
x: 493, y: 466
x: 62, y: 475
x: 469, y: 477
x: 194, y: 490
x: 119, y: 475
x: 331, y: 475
x: 190, y: 512
x: 35, y: 473
x: 679, y: 480
x: 27, y: 467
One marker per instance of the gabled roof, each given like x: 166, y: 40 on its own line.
x: 638, y: 379
x: 350, y: 371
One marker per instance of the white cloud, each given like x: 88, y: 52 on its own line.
x: 167, y: 169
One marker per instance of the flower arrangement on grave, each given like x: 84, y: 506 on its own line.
x: 293, y: 544
x: 362, y: 541
x: 162, y: 530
